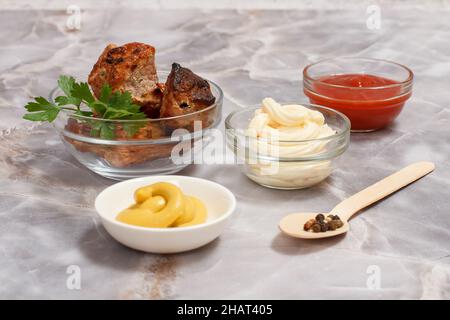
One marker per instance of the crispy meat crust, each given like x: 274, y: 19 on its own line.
x: 185, y: 92
x: 130, y: 67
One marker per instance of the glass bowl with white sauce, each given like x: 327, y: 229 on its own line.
x: 287, y: 145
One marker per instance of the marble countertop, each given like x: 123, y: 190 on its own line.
x: 48, y: 225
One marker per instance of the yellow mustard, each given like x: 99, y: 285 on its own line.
x: 163, y: 205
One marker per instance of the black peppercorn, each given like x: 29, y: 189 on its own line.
x: 316, y: 228
x: 320, y: 217
x: 336, y: 217
x: 324, y: 227
x: 332, y: 225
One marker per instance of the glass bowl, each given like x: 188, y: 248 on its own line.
x: 124, y: 149
x: 370, y: 106
x: 274, y: 167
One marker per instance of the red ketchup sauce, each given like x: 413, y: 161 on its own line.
x: 370, y: 102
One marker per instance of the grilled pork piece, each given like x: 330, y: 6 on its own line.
x: 130, y: 67
x: 184, y: 93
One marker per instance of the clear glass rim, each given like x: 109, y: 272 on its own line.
x: 69, y: 113
x: 138, y: 142
x: 344, y: 131
x: 407, y: 83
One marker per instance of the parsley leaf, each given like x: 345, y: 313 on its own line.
x: 81, y: 91
x: 98, y: 108
x: 107, y: 131
x: 110, y: 105
x: 132, y: 128
x: 105, y: 94
x: 48, y: 115
x: 41, y: 110
x: 116, y: 105
x: 66, y: 84
x: 102, y: 129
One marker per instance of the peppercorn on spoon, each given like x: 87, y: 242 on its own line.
x: 293, y: 224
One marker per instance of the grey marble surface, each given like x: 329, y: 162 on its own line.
x: 47, y: 220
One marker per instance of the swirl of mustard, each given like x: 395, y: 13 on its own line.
x: 163, y: 205
x: 287, y: 131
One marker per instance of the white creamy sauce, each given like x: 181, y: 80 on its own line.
x: 283, y: 131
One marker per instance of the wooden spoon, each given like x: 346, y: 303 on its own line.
x: 292, y: 224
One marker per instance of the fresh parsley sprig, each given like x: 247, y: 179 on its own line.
x: 110, y: 105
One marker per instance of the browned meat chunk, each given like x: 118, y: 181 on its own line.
x: 124, y: 156
x: 185, y: 92
x: 130, y: 67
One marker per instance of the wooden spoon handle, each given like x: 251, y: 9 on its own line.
x: 381, y: 189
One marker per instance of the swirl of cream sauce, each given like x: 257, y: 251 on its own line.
x: 287, y: 131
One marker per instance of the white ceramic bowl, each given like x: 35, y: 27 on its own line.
x: 219, y: 201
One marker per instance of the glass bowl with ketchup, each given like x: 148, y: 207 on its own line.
x: 370, y: 92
